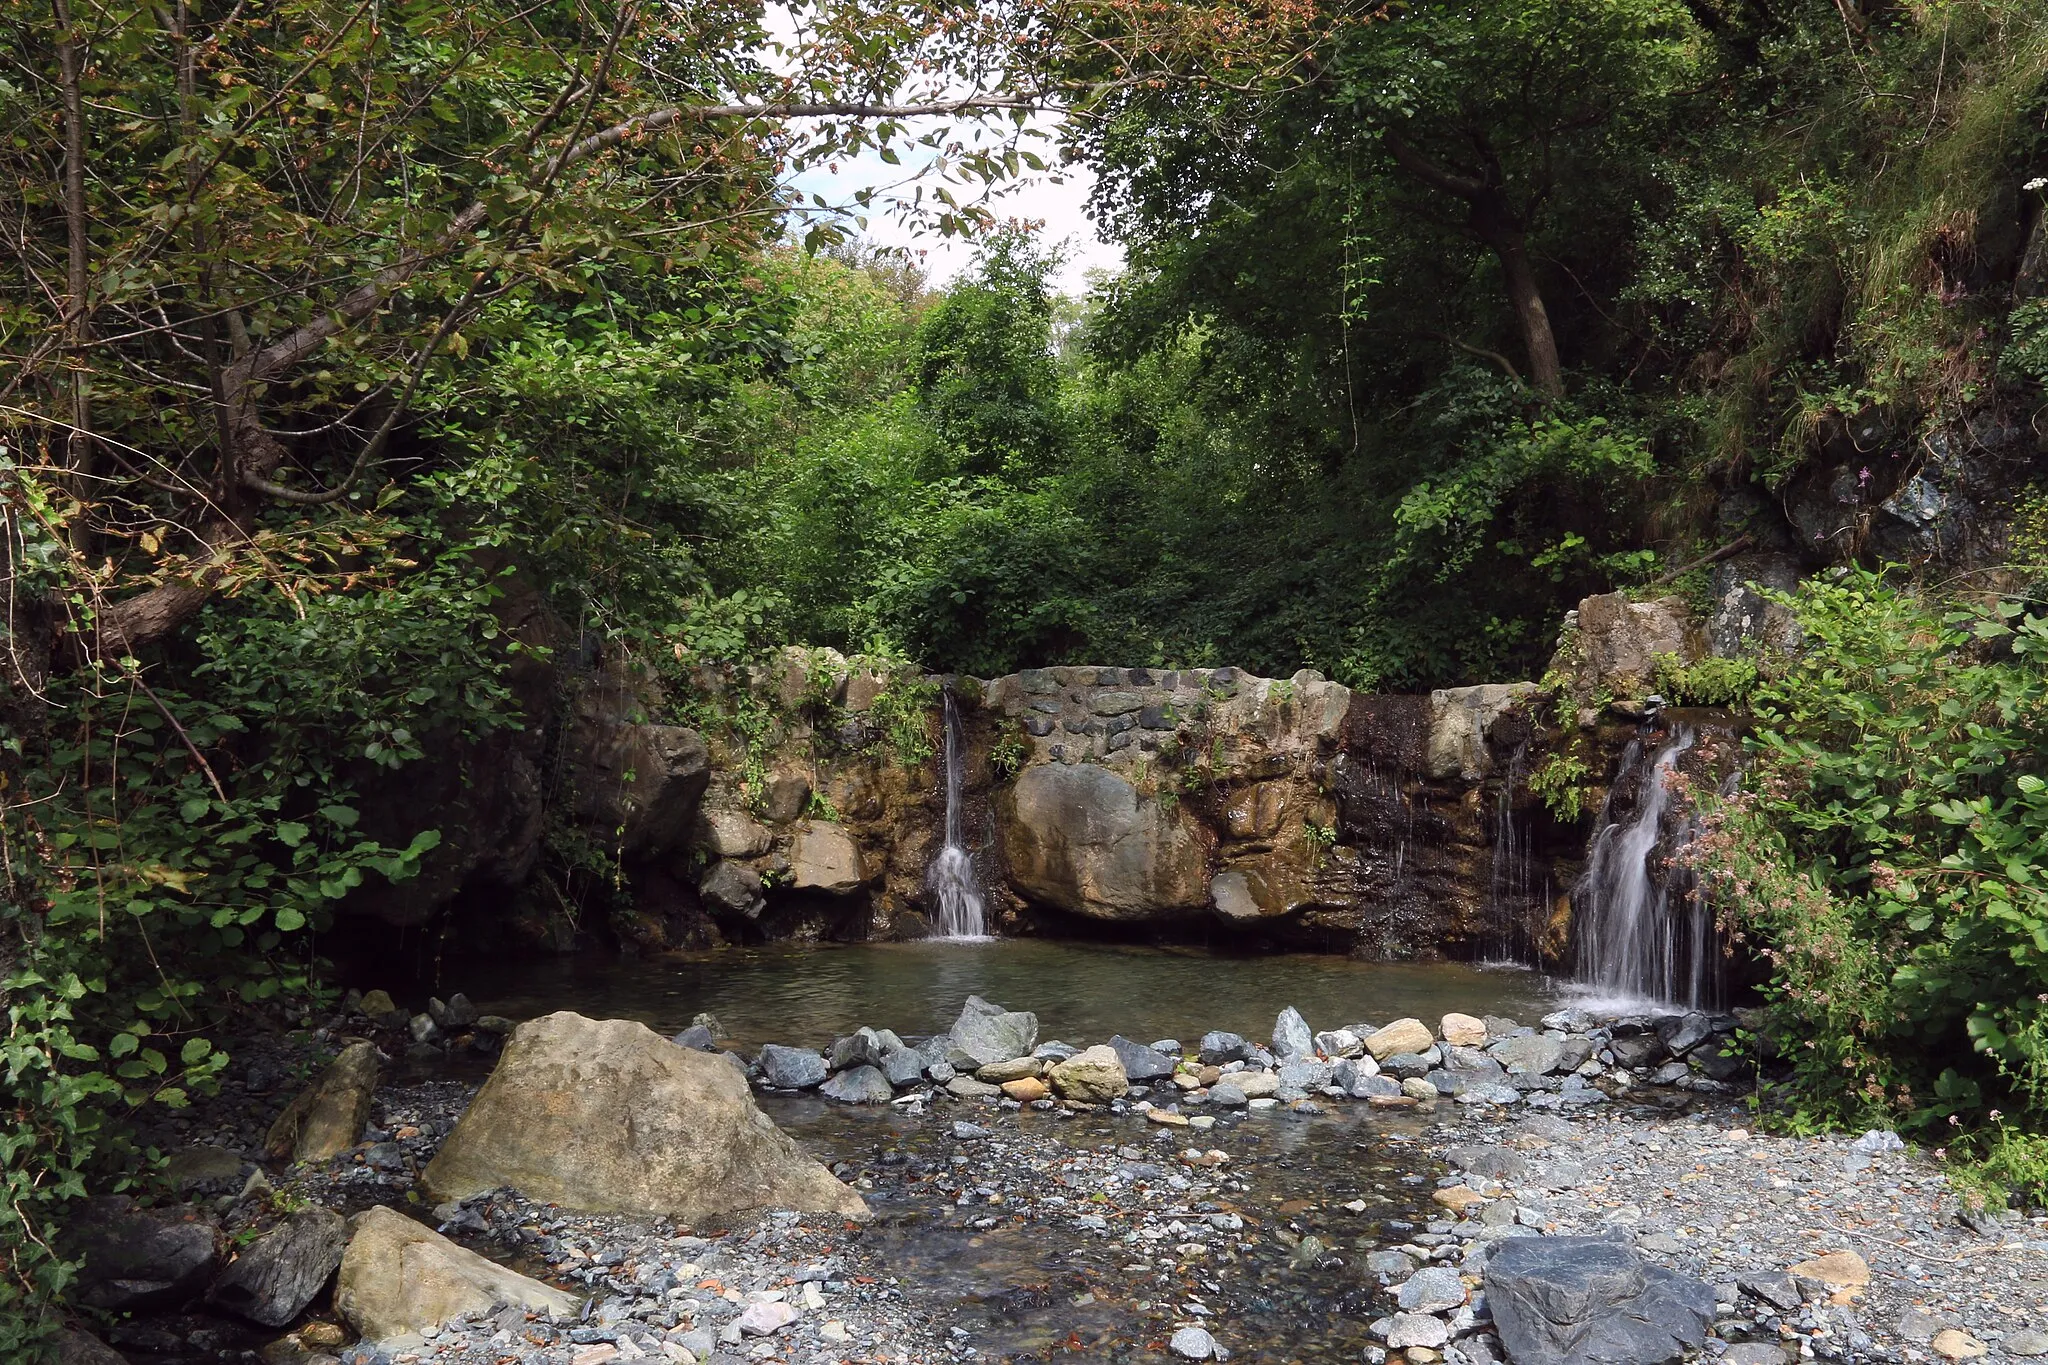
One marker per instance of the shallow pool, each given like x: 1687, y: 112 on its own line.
x: 1080, y: 991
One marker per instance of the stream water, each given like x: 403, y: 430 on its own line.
x: 1081, y: 992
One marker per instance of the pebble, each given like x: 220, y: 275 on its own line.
x: 1193, y: 1343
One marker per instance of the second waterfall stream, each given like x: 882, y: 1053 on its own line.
x: 958, y: 910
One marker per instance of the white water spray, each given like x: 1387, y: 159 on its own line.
x: 1640, y: 936
x: 957, y: 906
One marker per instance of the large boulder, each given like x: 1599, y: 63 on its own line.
x: 824, y: 857
x: 734, y: 834
x: 1141, y: 1063
x: 636, y: 783
x: 986, y: 1034
x: 278, y: 1274
x: 1079, y: 837
x: 135, y: 1259
x: 606, y: 1116
x: 399, y: 1277
x: 328, y: 1118
x: 733, y: 890
x: 1589, y: 1301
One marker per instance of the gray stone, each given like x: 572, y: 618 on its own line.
x: 1406, y: 1064
x: 1490, y: 1161
x: 902, y: 1066
x: 1684, y: 1032
x: 1389, y: 1263
x: 1532, y: 1054
x: 1340, y: 1043
x: 1350, y: 1071
x: 987, y: 1033
x: 137, y: 1259
x: 1416, y: 1329
x: 859, y: 1085
x: 698, y: 1037
x: 734, y: 834
x: 1720, y: 1060
x: 1370, y: 1087
x: 1193, y: 1343
x: 277, y: 1275
x: 1777, y: 1289
x: 1434, y: 1290
x: 1141, y: 1063
x: 328, y: 1118
x: 1589, y: 1301
x: 862, y: 1047
x: 1754, y: 1353
x: 1305, y: 1073
x: 791, y: 1068
x: 1221, y: 1048
x: 1228, y: 1096
x: 1292, y: 1036
x: 1116, y: 703
x: 1638, y: 1049
x: 2026, y: 1342
x: 967, y: 1088
x: 732, y: 889
x: 1447, y: 1082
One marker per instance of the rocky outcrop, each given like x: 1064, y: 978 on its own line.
x: 1080, y: 837
x: 399, y: 1278
x: 1612, y: 646
x: 607, y: 1116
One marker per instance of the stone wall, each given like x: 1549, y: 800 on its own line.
x: 1195, y: 804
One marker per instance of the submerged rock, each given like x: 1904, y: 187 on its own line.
x: 606, y: 1116
x: 398, y: 1277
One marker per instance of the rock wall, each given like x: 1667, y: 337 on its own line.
x: 1195, y: 804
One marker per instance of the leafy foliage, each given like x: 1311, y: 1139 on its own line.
x: 1886, y: 855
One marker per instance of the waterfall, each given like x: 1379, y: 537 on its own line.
x: 958, y: 910
x: 1507, y: 883
x: 1638, y: 934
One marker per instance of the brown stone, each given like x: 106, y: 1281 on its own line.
x: 1458, y: 1198
x: 1952, y: 1343
x: 328, y: 1118
x: 605, y: 1116
x: 1025, y: 1088
x: 1462, y: 1030
x: 1836, y: 1270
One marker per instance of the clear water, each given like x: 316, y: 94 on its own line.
x: 1082, y: 992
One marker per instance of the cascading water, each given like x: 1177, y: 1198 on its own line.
x: 1638, y: 934
x: 1507, y: 883
x: 958, y: 911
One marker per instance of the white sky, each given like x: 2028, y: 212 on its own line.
x: 1036, y: 198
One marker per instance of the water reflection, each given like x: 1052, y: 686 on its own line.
x: 1082, y: 991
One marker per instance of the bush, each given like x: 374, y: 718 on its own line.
x: 1887, y: 855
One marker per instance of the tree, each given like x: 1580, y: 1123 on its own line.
x: 1505, y: 105
x: 259, y: 230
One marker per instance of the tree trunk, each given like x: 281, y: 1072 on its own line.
x: 78, y: 268
x: 1546, y: 374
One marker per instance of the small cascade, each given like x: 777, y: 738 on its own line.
x: 1507, y: 884
x: 958, y: 909
x: 1641, y: 931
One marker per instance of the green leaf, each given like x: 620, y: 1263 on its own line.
x: 194, y: 1050
x: 122, y: 1045
x: 289, y: 919
x: 291, y: 833
x: 190, y: 811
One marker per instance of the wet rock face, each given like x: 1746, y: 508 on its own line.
x: 139, y: 1259
x: 606, y: 1116
x: 1080, y: 838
